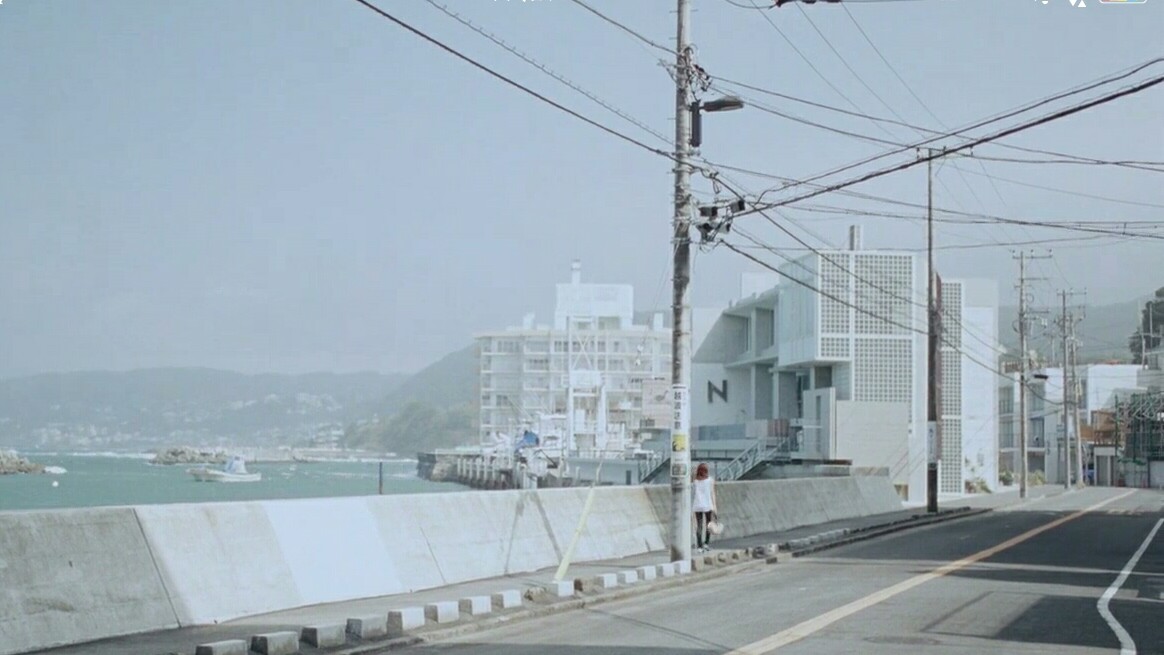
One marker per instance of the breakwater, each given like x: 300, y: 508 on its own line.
x: 72, y: 576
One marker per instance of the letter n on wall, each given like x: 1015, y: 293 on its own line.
x: 713, y: 391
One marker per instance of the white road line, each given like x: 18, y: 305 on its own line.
x: 822, y: 621
x: 1127, y: 646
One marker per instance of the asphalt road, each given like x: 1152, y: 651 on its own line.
x: 1027, y: 579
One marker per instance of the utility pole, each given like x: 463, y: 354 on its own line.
x: 1066, y: 386
x: 1076, y: 389
x: 1024, y: 372
x: 680, y: 334
x: 934, y: 367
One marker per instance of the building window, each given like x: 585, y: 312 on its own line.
x: 1006, y: 401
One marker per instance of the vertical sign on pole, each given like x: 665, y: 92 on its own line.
x: 680, y: 442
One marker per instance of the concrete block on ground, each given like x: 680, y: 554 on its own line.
x: 647, y: 573
x: 324, y: 636
x: 559, y: 589
x: 604, y: 581
x: 508, y: 599
x: 371, y: 626
x: 228, y: 647
x: 779, y: 557
x: 699, y: 563
x: 475, y: 605
x: 665, y: 570
x: 404, y: 619
x: 682, y: 567
x: 276, y: 643
x: 628, y: 577
x: 445, y: 611
x: 722, y: 557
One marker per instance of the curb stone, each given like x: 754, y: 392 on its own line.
x: 918, y: 521
x: 569, y: 604
x: 763, y: 556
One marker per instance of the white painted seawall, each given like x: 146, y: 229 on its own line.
x: 70, y: 576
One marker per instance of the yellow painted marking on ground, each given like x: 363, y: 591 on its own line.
x: 822, y: 621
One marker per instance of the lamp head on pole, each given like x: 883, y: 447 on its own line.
x: 726, y: 103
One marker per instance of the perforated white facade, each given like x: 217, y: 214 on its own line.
x: 857, y: 328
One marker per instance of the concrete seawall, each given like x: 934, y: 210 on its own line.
x: 70, y: 576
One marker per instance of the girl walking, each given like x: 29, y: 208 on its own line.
x: 703, y: 504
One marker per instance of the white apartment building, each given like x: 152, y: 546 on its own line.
x: 849, y: 371
x: 1099, y: 387
x: 593, y: 364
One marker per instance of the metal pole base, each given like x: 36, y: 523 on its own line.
x: 932, y: 488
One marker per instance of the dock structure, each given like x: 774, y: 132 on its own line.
x: 490, y: 470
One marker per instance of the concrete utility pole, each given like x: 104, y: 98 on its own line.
x: 1076, y: 388
x: 680, y: 334
x: 1022, y: 327
x: 934, y: 375
x: 1024, y: 373
x: 1066, y: 385
x: 1072, y: 466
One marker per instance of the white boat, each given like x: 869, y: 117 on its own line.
x: 235, y: 471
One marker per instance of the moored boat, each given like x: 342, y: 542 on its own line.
x: 235, y: 471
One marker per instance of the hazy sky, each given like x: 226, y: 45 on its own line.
x: 293, y: 185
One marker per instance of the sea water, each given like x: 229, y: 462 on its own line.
x: 127, y: 479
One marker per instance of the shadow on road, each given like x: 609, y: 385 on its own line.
x: 1042, y: 589
x: 563, y: 649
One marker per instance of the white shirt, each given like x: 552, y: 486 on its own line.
x: 701, y: 492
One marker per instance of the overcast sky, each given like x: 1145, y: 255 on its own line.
x: 296, y: 185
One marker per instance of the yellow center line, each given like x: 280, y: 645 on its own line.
x: 822, y: 621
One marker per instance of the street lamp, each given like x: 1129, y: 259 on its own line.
x: 726, y: 103
x: 807, y: 2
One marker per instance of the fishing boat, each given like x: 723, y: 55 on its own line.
x: 234, y: 471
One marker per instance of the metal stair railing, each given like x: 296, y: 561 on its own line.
x: 651, y: 468
x: 761, y: 451
x: 744, y: 462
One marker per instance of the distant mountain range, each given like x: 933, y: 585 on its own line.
x: 1103, y: 332
x: 164, y: 406
x: 193, y: 406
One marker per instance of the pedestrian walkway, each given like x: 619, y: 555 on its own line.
x: 184, y: 640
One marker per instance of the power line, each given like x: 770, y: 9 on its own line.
x: 1084, y: 226
x: 1150, y: 166
x: 845, y: 62
x: 1142, y: 165
x: 825, y: 294
x: 846, y: 271
x: 624, y: 28
x: 808, y: 61
x: 994, y: 119
x: 538, y: 65
x: 999, y: 244
x: 974, y: 142
x: 890, y: 66
x: 517, y: 85
x: 1066, y: 191
x: 920, y: 102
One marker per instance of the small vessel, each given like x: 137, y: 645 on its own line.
x: 234, y: 471
x: 55, y: 470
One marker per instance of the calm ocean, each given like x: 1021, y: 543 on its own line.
x: 99, y: 480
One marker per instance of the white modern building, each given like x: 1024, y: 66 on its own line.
x: 593, y: 365
x: 845, y: 369
x: 1099, y: 387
